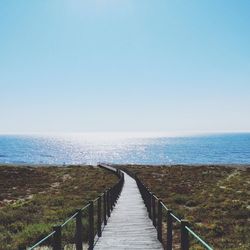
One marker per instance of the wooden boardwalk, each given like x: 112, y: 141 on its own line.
x: 129, y: 226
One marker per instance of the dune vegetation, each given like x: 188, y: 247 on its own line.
x: 33, y: 199
x: 215, y: 200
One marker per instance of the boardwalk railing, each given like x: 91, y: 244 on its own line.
x: 86, y: 222
x: 155, y: 208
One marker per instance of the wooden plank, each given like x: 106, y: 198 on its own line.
x: 129, y: 226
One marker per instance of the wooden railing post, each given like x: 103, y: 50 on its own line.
x: 91, y: 225
x: 108, y: 203
x: 147, y: 198
x: 110, y: 200
x: 153, y: 210
x: 169, y: 230
x: 184, y: 235
x: 159, y: 221
x: 79, y: 230
x: 99, y: 218
x: 105, y: 208
x: 149, y: 205
x: 57, y: 238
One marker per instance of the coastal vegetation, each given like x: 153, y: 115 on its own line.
x: 215, y: 200
x: 34, y: 199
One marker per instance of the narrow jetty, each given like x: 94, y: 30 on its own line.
x: 129, y: 226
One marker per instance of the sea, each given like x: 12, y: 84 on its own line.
x: 125, y: 148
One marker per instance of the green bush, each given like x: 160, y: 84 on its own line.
x: 32, y: 233
x: 180, y: 199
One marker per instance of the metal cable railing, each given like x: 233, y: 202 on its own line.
x: 96, y: 215
x: 43, y: 240
x: 155, y: 212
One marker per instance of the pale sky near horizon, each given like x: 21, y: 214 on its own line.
x: 128, y: 65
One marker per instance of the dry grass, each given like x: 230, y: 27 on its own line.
x: 33, y: 199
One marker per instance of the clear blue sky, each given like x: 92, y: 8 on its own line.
x: 127, y: 65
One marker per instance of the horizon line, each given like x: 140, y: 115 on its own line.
x: 130, y: 133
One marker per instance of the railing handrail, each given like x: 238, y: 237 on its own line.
x: 190, y: 230
x: 82, y: 209
x: 69, y: 219
x: 120, y: 175
x: 198, y: 238
x: 62, y: 225
x: 42, y: 240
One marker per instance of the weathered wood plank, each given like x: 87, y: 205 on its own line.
x: 129, y: 226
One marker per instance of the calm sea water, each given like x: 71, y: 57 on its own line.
x: 90, y: 149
